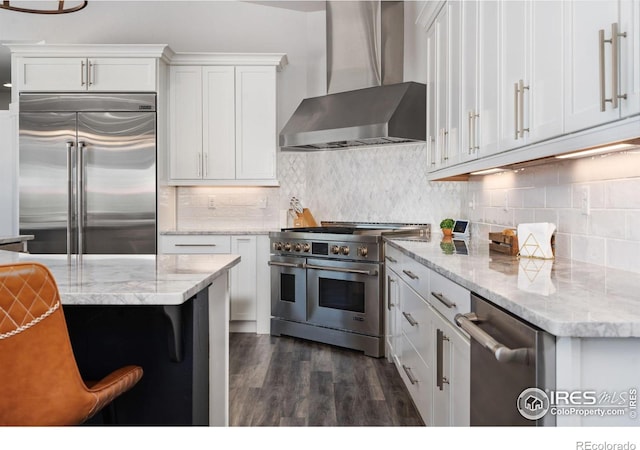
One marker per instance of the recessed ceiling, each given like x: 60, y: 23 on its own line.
x: 305, y: 6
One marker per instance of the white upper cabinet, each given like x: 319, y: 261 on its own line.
x: 256, y: 137
x: 222, y: 119
x: 444, y: 87
x: 469, y: 80
x: 590, y: 70
x: 602, y: 70
x: 531, y: 103
x: 77, y: 68
x: 488, y: 82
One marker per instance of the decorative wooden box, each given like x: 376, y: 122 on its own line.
x: 503, y: 244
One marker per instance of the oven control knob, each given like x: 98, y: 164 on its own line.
x: 297, y: 247
x: 287, y: 247
x: 306, y: 248
x: 344, y: 250
x: 335, y: 249
x: 363, y: 251
x: 277, y: 246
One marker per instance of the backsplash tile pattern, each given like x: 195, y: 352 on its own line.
x: 378, y: 184
x: 608, y: 236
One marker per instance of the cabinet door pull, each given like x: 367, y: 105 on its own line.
x: 515, y: 110
x: 521, y: 89
x: 444, y: 300
x: 390, y: 281
x: 615, y: 35
x: 410, y: 319
x: 82, y: 83
x: 441, y: 380
x: 198, y: 165
x: 205, y: 163
x: 410, y: 375
x: 393, y: 260
x: 410, y: 274
x: 91, y: 75
x: 470, y: 133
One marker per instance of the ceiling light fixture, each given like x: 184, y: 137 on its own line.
x: 61, y: 9
x: 596, y: 151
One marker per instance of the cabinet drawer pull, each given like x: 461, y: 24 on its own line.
x: 393, y: 260
x: 444, y: 300
x: 410, y: 319
x: 194, y: 245
x: 411, y: 275
x: 410, y: 375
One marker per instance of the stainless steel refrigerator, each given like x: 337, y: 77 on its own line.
x: 88, y: 173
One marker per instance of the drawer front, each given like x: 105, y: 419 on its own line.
x: 195, y: 244
x: 447, y: 297
x: 393, y: 258
x: 416, y: 321
x: 416, y: 275
x: 418, y: 378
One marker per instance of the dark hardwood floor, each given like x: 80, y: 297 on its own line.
x: 283, y: 381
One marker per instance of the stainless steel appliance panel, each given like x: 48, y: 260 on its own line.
x: 119, y: 176
x: 345, y: 295
x: 288, y: 288
x: 47, y: 168
x: 513, y: 357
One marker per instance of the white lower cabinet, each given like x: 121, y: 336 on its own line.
x: 429, y: 351
x: 249, y: 280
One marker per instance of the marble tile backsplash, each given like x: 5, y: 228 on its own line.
x: 594, y: 203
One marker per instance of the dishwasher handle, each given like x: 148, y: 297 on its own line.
x: 502, y: 353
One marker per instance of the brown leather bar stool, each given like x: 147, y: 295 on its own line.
x: 39, y: 379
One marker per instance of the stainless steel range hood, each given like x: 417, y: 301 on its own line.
x: 367, y: 102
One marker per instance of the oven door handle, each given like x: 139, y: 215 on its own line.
x: 502, y: 353
x: 285, y: 264
x: 372, y: 272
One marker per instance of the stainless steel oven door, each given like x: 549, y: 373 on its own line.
x: 345, y: 295
x: 288, y: 288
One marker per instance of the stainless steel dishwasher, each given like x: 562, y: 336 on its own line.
x: 512, y: 364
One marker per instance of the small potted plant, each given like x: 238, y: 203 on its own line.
x: 447, y: 226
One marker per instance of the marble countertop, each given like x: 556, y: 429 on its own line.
x: 129, y: 279
x: 238, y: 232
x: 561, y: 296
x: 16, y: 239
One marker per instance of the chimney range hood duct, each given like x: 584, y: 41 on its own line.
x: 367, y: 104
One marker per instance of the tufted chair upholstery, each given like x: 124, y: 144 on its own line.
x: 39, y: 380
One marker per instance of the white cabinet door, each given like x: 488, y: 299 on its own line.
x: 185, y: 122
x: 81, y: 74
x: 432, y: 112
x: 513, y: 72
x: 121, y: 74
x: 488, y: 65
x: 52, y: 74
x: 469, y: 80
x: 630, y: 57
x: 583, y: 22
x: 446, y: 82
x: 451, y: 398
x: 392, y: 303
x: 219, y: 132
x: 243, y: 279
x: 544, y: 101
x: 256, y: 139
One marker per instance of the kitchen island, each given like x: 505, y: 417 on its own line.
x: 167, y: 313
x: 593, y: 312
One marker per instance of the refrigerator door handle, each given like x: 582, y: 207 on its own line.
x: 80, y: 196
x: 70, y: 207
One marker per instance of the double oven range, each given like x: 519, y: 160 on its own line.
x: 327, y: 282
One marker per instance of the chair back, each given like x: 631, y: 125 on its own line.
x: 39, y: 380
